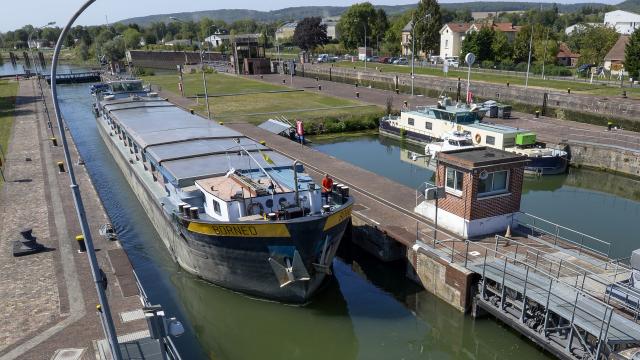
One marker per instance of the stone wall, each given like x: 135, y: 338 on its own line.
x: 449, y: 282
x: 169, y: 59
x: 612, y: 158
x: 606, y: 107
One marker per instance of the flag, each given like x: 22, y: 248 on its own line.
x: 469, y: 97
x: 267, y: 158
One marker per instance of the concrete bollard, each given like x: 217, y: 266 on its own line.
x: 397, y: 91
x: 60, y: 166
x: 537, y: 114
x: 406, y: 104
x: 263, y: 143
x: 507, y: 84
x: 54, y: 141
x: 319, y: 87
x: 624, y: 94
x: 221, y: 123
x: 261, y: 77
x: 82, y: 246
x: 356, y: 84
x: 357, y: 94
x: 191, y: 111
x: 568, y: 90
x: 284, y: 81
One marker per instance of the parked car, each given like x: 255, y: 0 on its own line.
x: 401, y: 61
x: 584, y: 69
x: 392, y: 59
x: 453, y: 63
x: 323, y: 58
x: 334, y: 58
x: 383, y: 60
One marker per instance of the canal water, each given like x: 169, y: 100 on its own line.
x: 368, y: 311
x: 600, y: 204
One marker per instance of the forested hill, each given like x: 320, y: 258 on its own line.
x: 630, y: 5
x: 297, y: 13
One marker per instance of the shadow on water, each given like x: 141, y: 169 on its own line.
x: 367, y: 311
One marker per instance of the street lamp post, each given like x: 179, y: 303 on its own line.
x: 413, y: 44
x: 99, y: 281
x: 204, y: 77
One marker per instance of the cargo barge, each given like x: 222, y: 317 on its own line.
x: 229, y: 209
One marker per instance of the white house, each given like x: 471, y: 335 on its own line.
x: 623, y: 21
x: 451, y: 37
x: 286, y: 31
x: 579, y: 27
x: 332, y: 27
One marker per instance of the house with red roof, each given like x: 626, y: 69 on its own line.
x: 452, y: 35
x: 565, y: 56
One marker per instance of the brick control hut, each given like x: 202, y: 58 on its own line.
x: 482, y: 190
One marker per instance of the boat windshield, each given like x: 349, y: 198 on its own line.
x: 128, y: 86
x: 465, y: 142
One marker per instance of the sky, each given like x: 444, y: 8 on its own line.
x: 15, y: 14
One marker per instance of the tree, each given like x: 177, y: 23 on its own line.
x: 393, y: 36
x: 593, y: 43
x: 484, y: 41
x: 310, y: 33
x: 379, y: 27
x: 131, y: 38
x: 632, y: 55
x: 521, y: 44
x: 501, y: 47
x: 469, y: 44
x: 545, y: 50
x: 113, y: 50
x: 353, y: 23
x: 427, y: 30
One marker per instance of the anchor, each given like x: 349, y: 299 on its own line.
x: 290, y: 271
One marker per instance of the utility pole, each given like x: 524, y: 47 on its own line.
x: 544, y: 58
x: 365, y: 45
x: 526, y: 82
x: 413, y: 44
x: 204, y: 76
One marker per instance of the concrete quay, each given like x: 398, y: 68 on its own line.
x: 49, y: 298
x: 591, y: 145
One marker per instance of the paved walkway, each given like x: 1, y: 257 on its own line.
x: 48, y: 299
x: 550, y: 130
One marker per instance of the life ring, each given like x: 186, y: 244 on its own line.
x: 478, y: 138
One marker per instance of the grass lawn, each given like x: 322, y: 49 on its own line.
x: 576, y: 86
x: 8, y: 93
x: 297, y: 104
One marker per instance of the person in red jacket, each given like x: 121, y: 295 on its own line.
x: 327, y: 185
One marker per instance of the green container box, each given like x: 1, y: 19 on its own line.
x: 525, y: 139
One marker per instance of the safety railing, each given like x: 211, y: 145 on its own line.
x: 558, y: 233
x: 489, y: 256
x: 570, y: 274
x: 169, y: 347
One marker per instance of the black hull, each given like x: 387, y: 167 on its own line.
x: 244, y: 262
x: 547, y: 165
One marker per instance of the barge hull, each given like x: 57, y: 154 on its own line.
x: 237, y: 263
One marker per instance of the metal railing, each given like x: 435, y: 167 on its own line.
x: 561, y: 233
x: 542, y: 266
x: 167, y: 344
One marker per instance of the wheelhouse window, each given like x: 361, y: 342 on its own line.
x: 454, y: 180
x: 490, y: 140
x: 216, y: 207
x: 411, y: 121
x: 495, y: 183
x: 428, y: 125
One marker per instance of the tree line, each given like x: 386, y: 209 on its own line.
x: 544, y: 27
